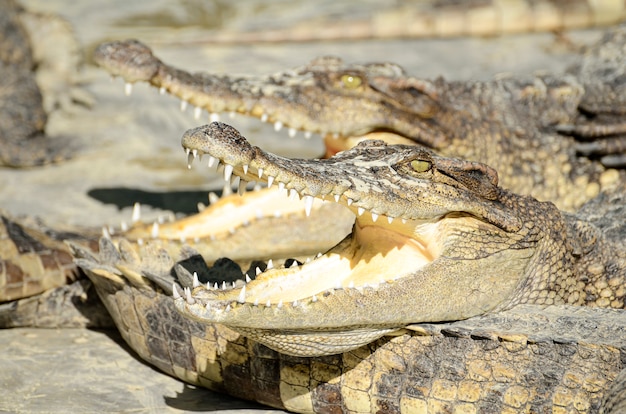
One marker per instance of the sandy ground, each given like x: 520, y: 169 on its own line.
x: 130, y: 148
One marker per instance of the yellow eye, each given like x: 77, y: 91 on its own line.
x: 351, y: 81
x: 421, y: 165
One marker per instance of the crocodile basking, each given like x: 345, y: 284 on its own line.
x: 36, y: 52
x: 550, y: 136
x: 515, y: 271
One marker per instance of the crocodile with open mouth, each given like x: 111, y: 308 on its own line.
x: 550, y: 136
x: 429, y: 231
x: 447, y: 243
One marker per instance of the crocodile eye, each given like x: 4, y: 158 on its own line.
x: 351, y: 81
x: 421, y: 166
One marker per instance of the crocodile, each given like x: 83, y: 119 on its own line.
x: 429, y: 230
x: 574, y: 122
x: 414, y: 19
x: 522, y: 344
x: 36, y: 52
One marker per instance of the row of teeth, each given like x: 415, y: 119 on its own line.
x: 308, y: 199
x: 241, y: 298
x: 215, y: 117
x: 109, y: 231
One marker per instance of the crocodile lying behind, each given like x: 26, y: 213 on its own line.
x: 36, y: 51
x: 540, y: 354
x: 517, y: 125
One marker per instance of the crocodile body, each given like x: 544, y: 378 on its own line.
x: 36, y: 52
x: 418, y: 19
x: 494, y: 122
x: 528, y: 358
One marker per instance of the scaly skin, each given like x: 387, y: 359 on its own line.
x: 531, y: 358
x: 494, y: 122
x: 435, y: 239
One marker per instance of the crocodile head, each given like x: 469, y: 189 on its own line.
x: 380, y: 97
x: 435, y: 239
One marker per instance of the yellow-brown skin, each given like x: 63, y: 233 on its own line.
x: 458, y: 246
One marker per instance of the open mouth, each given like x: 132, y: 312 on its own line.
x: 392, y: 270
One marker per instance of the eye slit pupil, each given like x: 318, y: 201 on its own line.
x: 351, y: 81
x: 421, y: 165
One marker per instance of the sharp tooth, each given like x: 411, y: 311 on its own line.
x: 196, y: 281
x: 258, y: 214
x: 105, y: 233
x: 175, y: 293
x: 256, y: 302
x: 308, y: 205
x: 154, y: 233
x: 224, y: 285
x: 213, y: 198
x: 338, y: 285
x: 360, y: 211
x: 128, y: 88
x: 349, y: 201
x: 260, y: 172
x: 389, y: 219
x: 318, y: 255
x: 264, y: 118
x: 124, y: 226
x: 307, y: 134
x: 268, y: 304
x: 248, y: 280
x: 227, y: 309
x: 270, y: 181
x: 242, y: 186
x: 278, y: 126
x: 374, y: 217
x: 183, y: 106
x: 190, y: 157
x: 258, y: 271
x: 212, y: 161
x: 245, y: 168
x: 292, y: 132
x: 136, y: 216
x: 293, y: 194
x: 190, y: 300
x: 403, y: 221
x: 270, y: 264
x: 234, y: 285
x: 214, y: 117
x: 226, y: 191
x: 280, y: 304
x: 294, y: 303
x: 140, y: 241
x: 351, y: 285
x: 242, y: 295
x: 314, y: 298
x: 228, y: 172
x: 281, y: 186
x: 337, y: 197
x: 197, y: 111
